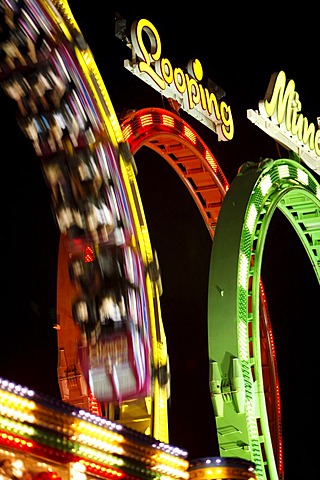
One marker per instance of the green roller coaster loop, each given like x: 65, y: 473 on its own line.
x: 236, y: 376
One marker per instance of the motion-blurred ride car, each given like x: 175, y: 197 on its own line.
x: 118, y: 365
x: 115, y: 350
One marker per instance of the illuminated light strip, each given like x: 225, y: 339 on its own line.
x: 170, y: 472
x: 95, y: 468
x: 171, y: 450
x: 18, y: 428
x: 157, y: 460
x: 222, y: 468
x: 17, y: 404
x: 97, y: 432
x: 283, y: 171
x: 14, y: 389
x: 303, y: 176
x: 93, y: 454
x: 168, y: 121
x: 127, y: 132
x: 243, y: 341
x: 211, y: 161
x: 219, y: 473
x: 189, y: 134
x: 146, y: 120
x: 15, y: 441
x: 243, y: 270
x: 102, y: 422
x: 131, y: 472
x: 98, y: 444
x: 168, y: 459
x: 43, y: 420
x: 265, y: 185
x: 176, y: 461
x: 251, y: 218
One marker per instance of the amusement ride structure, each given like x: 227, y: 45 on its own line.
x: 64, y: 109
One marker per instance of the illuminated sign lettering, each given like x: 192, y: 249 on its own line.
x: 280, y: 116
x: 183, y: 87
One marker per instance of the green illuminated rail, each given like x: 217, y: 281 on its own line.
x: 237, y: 384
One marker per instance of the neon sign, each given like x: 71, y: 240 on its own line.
x: 183, y: 87
x: 280, y: 116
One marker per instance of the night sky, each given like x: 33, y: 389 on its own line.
x: 240, y: 56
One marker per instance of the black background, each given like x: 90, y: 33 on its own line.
x: 239, y: 50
